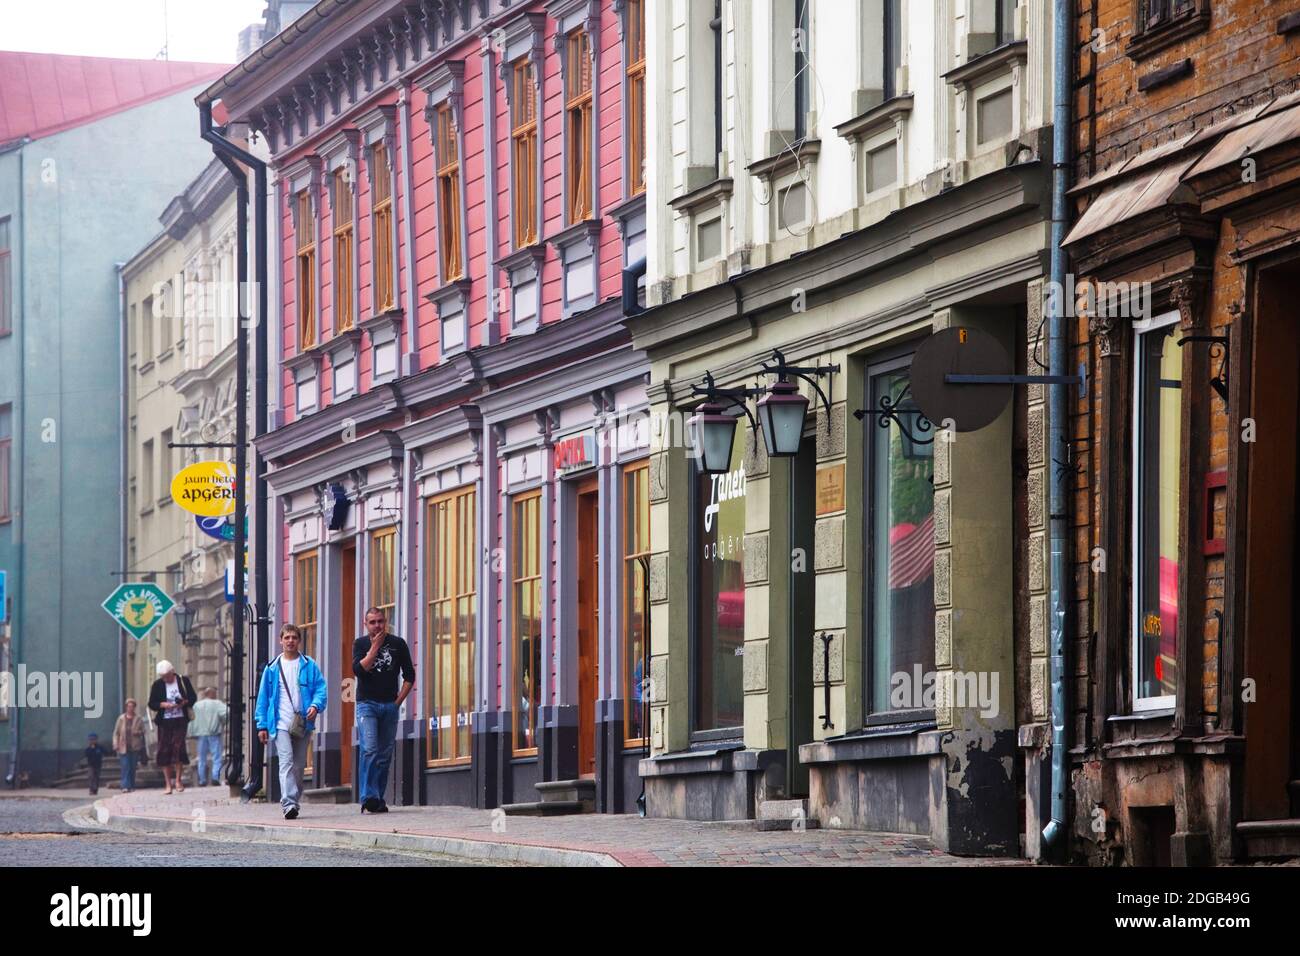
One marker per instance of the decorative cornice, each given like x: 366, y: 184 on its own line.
x: 879, y: 117
x: 1005, y: 57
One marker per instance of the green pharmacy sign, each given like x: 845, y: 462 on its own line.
x: 138, y: 608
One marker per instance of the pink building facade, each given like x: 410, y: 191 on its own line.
x: 462, y: 431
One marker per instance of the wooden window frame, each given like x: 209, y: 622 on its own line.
x: 631, y: 559
x: 524, y: 153
x: 634, y: 80
x: 447, y: 153
x: 6, y: 469
x: 6, y: 277
x: 382, y: 244
x: 305, y: 268
x: 579, y: 126
x: 378, y: 538
x: 306, y: 606
x: 344, y: 251
x: 462, y: 563
x: 517, y: 582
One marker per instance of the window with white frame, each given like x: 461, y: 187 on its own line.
x: 1157, y: 505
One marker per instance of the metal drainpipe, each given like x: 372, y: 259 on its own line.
x: 19, y: 429
x: 1057, y: 404
x: 230, y: 154
x: 123, y: 451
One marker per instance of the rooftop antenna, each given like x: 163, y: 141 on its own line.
x: 162, y: 54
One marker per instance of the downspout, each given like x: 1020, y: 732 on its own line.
x: 231, y: 156
x: 1057, y: 405
x: 19, y: 429
x: 124, y: 459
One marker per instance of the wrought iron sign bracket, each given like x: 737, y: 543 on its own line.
x: 1219, y: 348
x: 808, y: 373
x: 889, y: 412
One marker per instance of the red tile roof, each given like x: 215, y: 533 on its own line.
x: 44, y: 93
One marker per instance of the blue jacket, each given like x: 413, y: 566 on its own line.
x: 311, y: 693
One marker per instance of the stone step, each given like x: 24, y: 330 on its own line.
x: 1267, y: 839
x: 777, y: 815
x: 544, y: 808
x: 328, y: 795
x: 567, y: 791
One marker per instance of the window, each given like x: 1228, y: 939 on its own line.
x: 578, y: 125
x: 6, y: 457
x: 6, y: 280
x: 802, y: 73
x: 1157, y: 444
x: 450, y: 623
x: 715, y: 25
x: 448, y: 195
x: 383, y: 571
x: 636, y: 96
x: 146, y: 330
x: 381, y: 226
x: 526, y: 595
x: 900, y: 546
x: 165, y: 467
x: 636, y: 548
x: 1004, y: 27
x: 305, y: 233
x: 146, y: 474
x: 4, y: 669
x: 720, y: 596
x: 306, y: 578
x: 165, y: 320
x: 892, y: 46
x: 1157, y: 13
x: 343, y: 265
x: 524, y: 145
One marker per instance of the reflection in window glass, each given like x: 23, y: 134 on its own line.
x: 526, y: 575
x: 1159, y: 434
x: 901, y: 543
x: 636, y: 545
x: 720, y: 614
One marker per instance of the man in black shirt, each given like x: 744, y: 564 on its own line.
x: 376, y: 661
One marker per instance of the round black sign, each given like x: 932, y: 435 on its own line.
x: 961, y: 407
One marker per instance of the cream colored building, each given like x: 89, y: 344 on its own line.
x: 863, y: 174
x: 180, y: 310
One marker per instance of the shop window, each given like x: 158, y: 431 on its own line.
x: 720, y: 596
x: 383, y: 571
x: 305, y: 240
x: 900, y: 547
x: 304, y: 599
x: 526, y: 598
x: 634, y: 57
x: 1157, y: 502
x: 450, y: 623
x: 636, y: 546
x: 381, y: 226
x: 523, y: 105
x: 343, y: 264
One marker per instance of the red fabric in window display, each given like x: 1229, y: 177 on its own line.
x: 1168, y: 615
x: 911, y: 558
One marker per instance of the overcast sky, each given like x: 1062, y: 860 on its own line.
x: 205, y: 31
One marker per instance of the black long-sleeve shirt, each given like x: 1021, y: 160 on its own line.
x: 380, y: 683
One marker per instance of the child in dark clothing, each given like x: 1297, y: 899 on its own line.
x: 94, y: 760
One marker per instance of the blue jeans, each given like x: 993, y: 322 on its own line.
x: 377, y: 725
x: 127, y: 763
x: 209, y: 745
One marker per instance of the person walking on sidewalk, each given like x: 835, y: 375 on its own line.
x: 376, y: 661
x: 94, y: 761
x: 170, y: 699
x: 207, y: 727
x: 128, y: 742
x: 291, y: 695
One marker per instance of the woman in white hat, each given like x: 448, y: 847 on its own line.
x: 170, y: 699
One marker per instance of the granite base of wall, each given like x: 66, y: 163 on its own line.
x: 889, y: 795
x: 449, y: 787
x: 718, y: 784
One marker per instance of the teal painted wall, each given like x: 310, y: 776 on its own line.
x: 90, y: 198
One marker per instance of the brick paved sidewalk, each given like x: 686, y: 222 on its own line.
x: 593, y: 839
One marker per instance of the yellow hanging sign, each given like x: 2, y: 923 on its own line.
x: 206, y: 488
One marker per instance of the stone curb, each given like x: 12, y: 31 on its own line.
x: 87, y: 818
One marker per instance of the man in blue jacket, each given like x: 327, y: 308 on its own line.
x: 291, y: 695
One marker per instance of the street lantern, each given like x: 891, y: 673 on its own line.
x: 712, y: 432
x: 184, y: 615
x: 781, y: 413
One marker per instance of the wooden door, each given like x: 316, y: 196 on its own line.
x: 588, y: 623
x: 348, y: 631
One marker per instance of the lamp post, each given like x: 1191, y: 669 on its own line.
x: 712, y: 432
x: 184, y: 615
